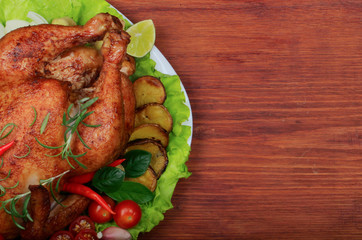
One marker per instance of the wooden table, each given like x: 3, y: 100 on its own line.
x: 276, y: 94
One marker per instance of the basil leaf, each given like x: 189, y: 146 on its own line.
x: 137, y: 162
x: 108, y: 179
x: 132, y: 191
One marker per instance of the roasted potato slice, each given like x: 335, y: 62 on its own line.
x: 148, y: 89
x: 154, y: 113
x: 150, y: 131
x: 148, y: 179
x: 159, y: 158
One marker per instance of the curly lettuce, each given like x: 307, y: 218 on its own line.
x: 178, y: 149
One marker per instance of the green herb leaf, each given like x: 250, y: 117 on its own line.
x: 4, y: 128
x: 89, y: 125
x: 2, y: 192
x: 45, y: 123
x: 137, y: 162
x: 6, y: 176
x: 15, y: 185
x: 25, y: 154
x: 46, y: 146
x: 35, y: 116
x: 108, y: 179
x: 53, y: 195
x: 69, y: 109
x: 88, y: 103
x: 25, y: 207
x: 132, y: 191
x: 71, y: 123
x: 83, y: 100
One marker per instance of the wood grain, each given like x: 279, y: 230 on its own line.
x: 276, y: 93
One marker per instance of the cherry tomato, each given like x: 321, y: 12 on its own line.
x: 62, y: 235
x: 86, y: 234
x: 128, y: 214
x: 98, y: 214
x: 82, y: 222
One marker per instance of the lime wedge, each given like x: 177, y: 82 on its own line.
x: 143, y: 37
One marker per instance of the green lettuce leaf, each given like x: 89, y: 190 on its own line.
x: 178, y: 149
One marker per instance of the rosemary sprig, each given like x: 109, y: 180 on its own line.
x: 4, y: 128
x: 2, y: 188
x: 35, y: 116
x: 71, y: 122
x: 9, y: 205
x: 25, y: 154
x: 44, y: 123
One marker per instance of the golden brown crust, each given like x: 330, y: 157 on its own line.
x: 22, y: 54
x: 106, y: 141
x: 129, y: 104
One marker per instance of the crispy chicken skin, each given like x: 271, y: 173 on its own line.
x: 25, y: 57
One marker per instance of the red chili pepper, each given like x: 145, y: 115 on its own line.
x: 87, y: 177
x: 4, y: 148
x: 85, y: 191
x: 116, y: 162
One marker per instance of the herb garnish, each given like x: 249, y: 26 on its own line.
x: 108, y: 179
x: 25, y: 154
x: 44, y: 123
x: 137, y: 162
x: 35, y: 116
x: 50, y: 183
x: 9, y: 205
x: 132, y: 191
x: 71, y: 123
x: 2, y: 188
x: 4, y: 128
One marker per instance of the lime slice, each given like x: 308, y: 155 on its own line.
x: 143, y: 37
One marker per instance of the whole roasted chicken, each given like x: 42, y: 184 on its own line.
x: 47, y: 74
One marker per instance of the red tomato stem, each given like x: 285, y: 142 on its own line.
x: 85, y: 191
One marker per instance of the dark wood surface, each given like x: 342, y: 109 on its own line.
x: 276, y: 94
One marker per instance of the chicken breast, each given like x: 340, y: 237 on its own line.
x: 25, y: 86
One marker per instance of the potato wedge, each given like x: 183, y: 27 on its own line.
x: 154, y: 113
x: 148, y: 179
x: 159, y: 158
x: 150, y: 131
x: 148, y: 89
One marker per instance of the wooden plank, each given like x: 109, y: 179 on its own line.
x: 275, y: 89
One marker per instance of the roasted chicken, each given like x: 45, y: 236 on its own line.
x: 47, y: 68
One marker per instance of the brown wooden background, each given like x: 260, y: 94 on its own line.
x: 276, y: 93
